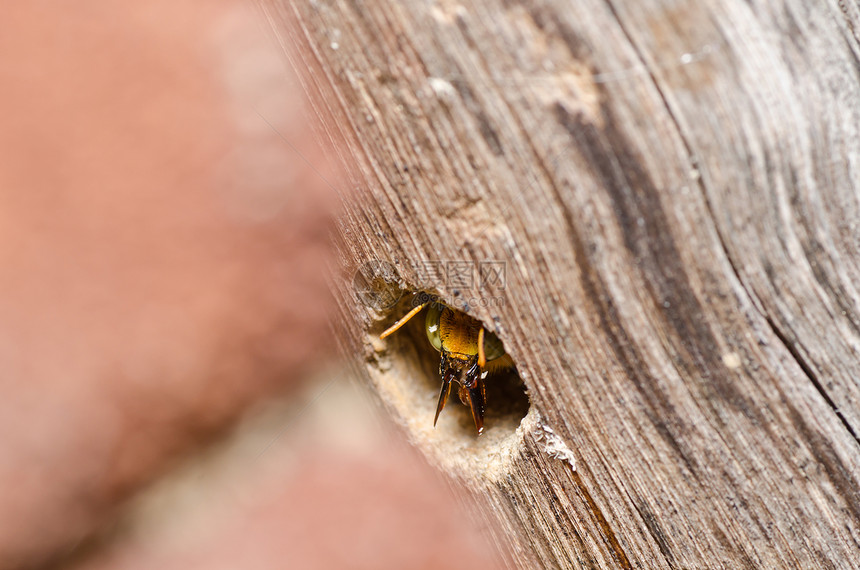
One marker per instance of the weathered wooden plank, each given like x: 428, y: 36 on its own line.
x: 673, y: 189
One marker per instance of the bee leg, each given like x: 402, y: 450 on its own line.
x: 443, y: 395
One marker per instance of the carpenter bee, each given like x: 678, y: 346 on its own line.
x: 469, y: 354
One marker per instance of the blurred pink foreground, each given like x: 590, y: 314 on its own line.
x: 162, y: 270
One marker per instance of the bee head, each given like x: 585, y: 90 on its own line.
x: 463, y: 370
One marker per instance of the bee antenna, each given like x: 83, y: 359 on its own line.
x: 402, y: 321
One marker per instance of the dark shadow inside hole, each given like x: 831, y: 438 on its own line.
x: 507, y: 401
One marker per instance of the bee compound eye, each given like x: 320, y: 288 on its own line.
x: 431, y: 325
x: 493, y: 347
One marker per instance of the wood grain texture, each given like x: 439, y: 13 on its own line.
x: 673, y: 187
